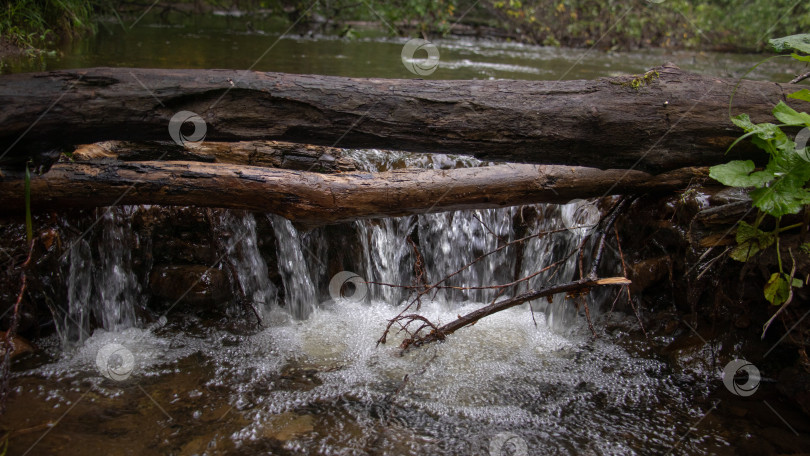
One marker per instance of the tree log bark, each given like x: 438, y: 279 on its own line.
x: 658, y: 123
x: 311, y: 199
x: 269, y: 154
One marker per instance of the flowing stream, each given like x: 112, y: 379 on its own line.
x: 312, y: 380
x: 119, y: 378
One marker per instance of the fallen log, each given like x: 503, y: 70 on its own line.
x: 665, y: 120
x: 270, y: 154
x: 310, y: 198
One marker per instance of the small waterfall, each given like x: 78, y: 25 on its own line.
x: 542, y: 251
x: 293, y: 265
x: 388, y: 256
x: 103, y: 290
x: 249, y: 265
x: 75, y: 325
x: 101, y: 283
x: 451, y: 240
x: 117, y: 285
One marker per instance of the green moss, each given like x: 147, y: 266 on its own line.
x: 639, y: 81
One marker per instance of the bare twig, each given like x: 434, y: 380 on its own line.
x: 627, y: 288
x: 472, y: 317
x: 800, y: 78
x: 5, y: 368
x: 578, y: 287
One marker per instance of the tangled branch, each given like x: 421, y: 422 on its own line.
x: 427, y: 332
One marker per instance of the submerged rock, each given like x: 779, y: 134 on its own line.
x: 190, y: 284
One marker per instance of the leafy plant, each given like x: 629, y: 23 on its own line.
x: 781, y: 187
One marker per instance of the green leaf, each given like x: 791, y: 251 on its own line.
x: 790, y: 116
x: 801, y: 58
x: 777, y: 289
x: 743, y: 121
x: 750, y: 241
x: 799, y: 42
x: 803, y: 94
x: 797, y: 283
x: 780, y: 199
x: 738, y: 173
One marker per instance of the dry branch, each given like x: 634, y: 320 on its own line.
x: 578, y: 287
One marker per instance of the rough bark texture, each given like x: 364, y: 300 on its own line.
x: 310, y: 198
x: 668, y: 122
x: 270, y: 154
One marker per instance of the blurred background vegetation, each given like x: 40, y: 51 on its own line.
x: 731, y: 25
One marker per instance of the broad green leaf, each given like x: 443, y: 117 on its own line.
x: 799, y: 42
x: 750, y: 241
x: 739, y: 173
x: 780, y: 199
x: 786, y: 193
x: 777, y: 289
x: 790, y: 164
x: 797, y: 283
x: 790, y: 116
x: 803, y: 94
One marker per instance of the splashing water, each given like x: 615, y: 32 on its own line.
x: 315, y: 381
x: 251, y: 269
x: 101, y: 283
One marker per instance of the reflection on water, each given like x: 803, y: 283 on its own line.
x: 250, y: 42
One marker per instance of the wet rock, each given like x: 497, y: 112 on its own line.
x: 796, y: 386
x: 190, y: 284
x: 647, y: 272
x: 19, y: 346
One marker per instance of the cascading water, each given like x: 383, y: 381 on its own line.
x: 314, y: 381
x: 293, y: 265
x: 251, y: 269
x: 101, y: 284
x: 388, y: 256
x: 450, y: 241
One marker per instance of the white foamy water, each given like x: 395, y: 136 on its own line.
x: 562, y: 394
